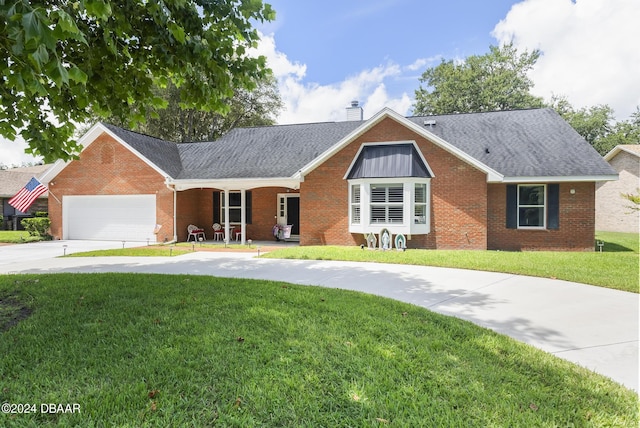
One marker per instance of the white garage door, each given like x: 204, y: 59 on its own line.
x: 109, y: 218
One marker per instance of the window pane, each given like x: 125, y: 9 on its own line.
x: 532, y: 217
x: 378, y: 194
x: 421, y: 194
x: 355, y: 214
x: 355, y: 194
x: 234, y: 199
x: 531, y: 195
x: 395, y: 194
x: 378, y: 214
x: 420, y: 214
x: 395, y: 214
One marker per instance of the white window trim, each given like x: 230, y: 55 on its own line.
x: 408, y: 226
x: 544, y: 207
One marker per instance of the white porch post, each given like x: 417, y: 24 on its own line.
x: 243, y: 210
x: 226, y: 215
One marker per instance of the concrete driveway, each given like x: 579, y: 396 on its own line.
x: 592, y: 326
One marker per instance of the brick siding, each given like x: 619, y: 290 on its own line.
x: 576, y: 219
x: 108, y: 168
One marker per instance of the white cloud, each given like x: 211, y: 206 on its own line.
x: 589, y: 48
x: 311, y: 102
x: 12, y: 153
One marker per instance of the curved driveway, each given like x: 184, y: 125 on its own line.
x: 591, y: 326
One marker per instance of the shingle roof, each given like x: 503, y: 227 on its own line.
x: 519, y: 143
x: 14, y: 179
x: 163, y: 154
x: 261, y: 152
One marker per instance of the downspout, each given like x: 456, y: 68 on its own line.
x: 172, y: 187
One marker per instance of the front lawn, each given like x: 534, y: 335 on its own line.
x: 164, y: 350
x: 616, y: 267
x: 17, y: 237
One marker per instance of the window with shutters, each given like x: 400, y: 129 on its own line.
x: 532, y: 206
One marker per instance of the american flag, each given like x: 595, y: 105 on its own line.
x: 27, y: 195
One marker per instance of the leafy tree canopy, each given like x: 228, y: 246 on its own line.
x: 598, y: 126
x: 257, y: 107
x: 494, y: 81
x: 63, y: 61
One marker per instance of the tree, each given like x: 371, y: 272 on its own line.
x: 246, y: 108
x: 63, y: 61
x: 597, y: 124
x: 494, y: 81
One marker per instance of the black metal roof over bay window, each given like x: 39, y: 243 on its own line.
x: 389, y: 161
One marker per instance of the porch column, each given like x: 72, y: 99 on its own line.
x: 226, y: 215
x: 243, y: 210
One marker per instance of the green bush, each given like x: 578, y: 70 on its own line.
x: 1, y: 221
x: 37, y: 226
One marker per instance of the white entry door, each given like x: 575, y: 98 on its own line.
x: 109, y: 217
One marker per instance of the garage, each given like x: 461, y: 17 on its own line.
x: 109, y: 217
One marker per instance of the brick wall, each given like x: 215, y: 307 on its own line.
x: 576, y: 216
x: 458, y: 196
x: 107, y: 168
x: 612, y: 210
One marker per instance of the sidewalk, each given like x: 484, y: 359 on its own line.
x: 591, y: 326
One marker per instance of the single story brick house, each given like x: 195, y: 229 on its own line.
x: 613, y: 211
x: 510, y: 180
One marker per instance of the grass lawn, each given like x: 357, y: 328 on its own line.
x: 616, y: 267
x: 162, y: 350
x: 17, y: 236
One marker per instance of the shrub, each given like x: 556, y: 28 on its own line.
x: 37, y: 226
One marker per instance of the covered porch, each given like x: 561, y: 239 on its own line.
x: 242, y: 210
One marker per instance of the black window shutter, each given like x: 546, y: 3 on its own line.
x: 216, y: 207
x: 247, y: 213
x: 512, y: 206
x: 553, y: 206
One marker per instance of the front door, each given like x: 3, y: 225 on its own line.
x: 289, y: 211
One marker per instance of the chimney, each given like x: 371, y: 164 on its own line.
x: 354, y: 112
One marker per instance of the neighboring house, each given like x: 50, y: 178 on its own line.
x: 509, y: 180
x: 613, y: 211
x: 11, y: 181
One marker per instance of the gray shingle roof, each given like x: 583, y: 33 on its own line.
x: 519, y: 143
x: 261, y: 152
x: 163, y: 154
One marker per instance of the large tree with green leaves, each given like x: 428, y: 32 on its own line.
x: 598, y: 126
x: 257, y: 107
x: 63, y: 61
x: 494, y: 81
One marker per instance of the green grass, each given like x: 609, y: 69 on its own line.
x: 616, y: 267
x: 160, y: 350
x: 17, y: 237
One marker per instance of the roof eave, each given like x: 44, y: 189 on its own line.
x: 559, y: 179
x: 235, y: 183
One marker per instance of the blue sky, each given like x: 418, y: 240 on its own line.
x: 327, y: 53
x: 374, y: 51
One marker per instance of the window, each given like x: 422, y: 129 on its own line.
x: 235, y: 209
x: 355, y: 204
x: 387, y: 203
x: 531, y: 206
x: 400, y: 205
x: 420, y: 204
